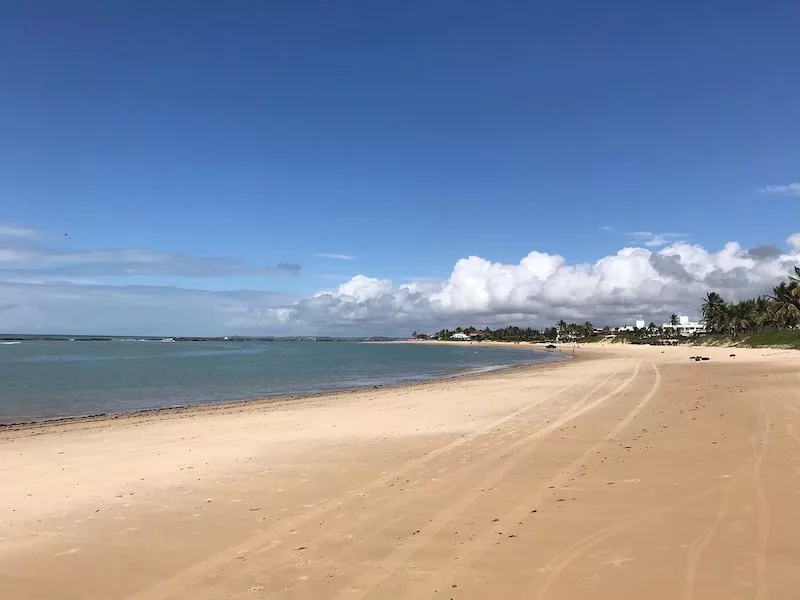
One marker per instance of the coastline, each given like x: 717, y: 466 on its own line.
x: 630, y: 471
x: 279, y: 400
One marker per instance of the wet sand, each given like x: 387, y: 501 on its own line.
x: 629, y: 473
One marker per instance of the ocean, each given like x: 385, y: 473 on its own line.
x: 55, y: 379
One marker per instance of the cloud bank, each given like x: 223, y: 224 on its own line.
x: 49, y: 291
x: 542, y: 288
x: 52, y: 290
x: 21, y: 255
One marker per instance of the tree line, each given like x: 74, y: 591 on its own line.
x: 779, y: 310
x: 562, y: 329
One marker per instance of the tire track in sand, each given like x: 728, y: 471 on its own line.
x: 371, y: 579
x: 382, y: 506
x: 701, y: 542
x: 764, y: 516
x: 483, y: 543
x: 264, y: 539
x: 561, y: 561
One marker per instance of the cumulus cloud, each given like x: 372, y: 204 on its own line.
x: 334, y: 256
x: 790, y: 189
x: 764, y: 251
x: 542, y: 288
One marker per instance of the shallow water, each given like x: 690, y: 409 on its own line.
x: 53, y: 379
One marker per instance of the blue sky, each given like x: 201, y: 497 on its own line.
x: 407, y: 136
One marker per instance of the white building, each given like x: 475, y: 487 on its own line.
x: 685, y: 326
x: 639, y: 323
x: 459, y: 336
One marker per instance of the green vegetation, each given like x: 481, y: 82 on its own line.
x: 505, y: 334
x: 766, y: 338
x: 773, y: 337
x: 776, y: 313
x: 562, y: 331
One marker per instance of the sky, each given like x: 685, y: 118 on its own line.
x: 373, y: 168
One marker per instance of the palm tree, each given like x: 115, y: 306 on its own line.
x: 713, y: 311
x: 673, y: 320
x: 762, y: 311
x: 742, y: 314
x: 785, y: 307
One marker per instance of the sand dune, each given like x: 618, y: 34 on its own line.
x: 628, y: 473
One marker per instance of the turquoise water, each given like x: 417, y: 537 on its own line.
x: 53, y: 379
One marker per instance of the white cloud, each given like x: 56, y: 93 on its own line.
x: 15, y: 231
x: 60, y: 292
x: 542, y: 288
x: 651, y: 239
x: 791, y: 189
x: 334, y: 256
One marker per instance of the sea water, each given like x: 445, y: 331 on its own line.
x: 55, y: 379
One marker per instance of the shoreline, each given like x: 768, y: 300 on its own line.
x: 587, y: 350
x: 280, y: 400
x: 606, y: 476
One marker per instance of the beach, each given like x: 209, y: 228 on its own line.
x: 628, y: 472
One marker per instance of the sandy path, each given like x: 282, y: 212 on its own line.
x: 635, y: 474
